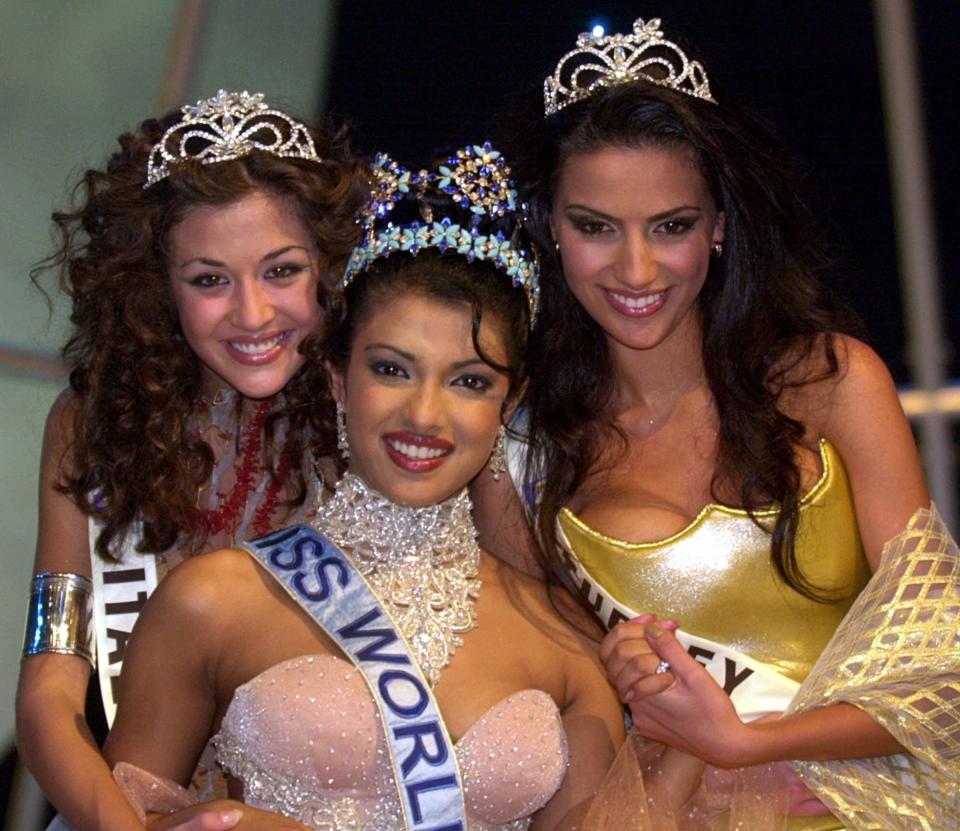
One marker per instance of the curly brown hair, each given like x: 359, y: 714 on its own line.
x: 133, y: 456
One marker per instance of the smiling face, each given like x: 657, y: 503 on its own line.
x: 422, y: 407
x: 635, y: 229
x: 244, y: 279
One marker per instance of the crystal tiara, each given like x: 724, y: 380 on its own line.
x: 228, y: 126
x: 477, y: 180
x: 610, y: 60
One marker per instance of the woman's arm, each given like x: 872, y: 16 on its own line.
x: 866, y: 424
x: 167, y: 697
x: 593, y: 722
x: 53, y: 737
x: 174, y: 682
x: 693, y: 714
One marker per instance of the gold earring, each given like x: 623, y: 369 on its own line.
x: 718, y: 250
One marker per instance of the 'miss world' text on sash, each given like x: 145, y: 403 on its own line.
x: 323, y: 580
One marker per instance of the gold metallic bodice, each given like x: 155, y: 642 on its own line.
x: 716, y: 578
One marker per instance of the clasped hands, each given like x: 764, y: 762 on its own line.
x: 684, y: 707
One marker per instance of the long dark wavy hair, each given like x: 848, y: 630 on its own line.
x: 133, y: 455
x: 765, y: 317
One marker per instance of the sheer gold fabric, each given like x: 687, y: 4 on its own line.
x: 897, y: 656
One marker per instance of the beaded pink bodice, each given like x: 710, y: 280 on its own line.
x: 305, y: 739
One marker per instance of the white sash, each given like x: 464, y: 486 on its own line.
x: 323, y: 580
x: 120, y: 590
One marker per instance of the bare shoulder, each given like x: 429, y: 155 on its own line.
x: 62, y: 530
x: 64, y: 406
x: 837, y: 373
x: 206, y: 590
x: 549, y: 616
x: 862, y: 391
x: 860, y: 368
x: 859, y: 412
x: 58, y: 432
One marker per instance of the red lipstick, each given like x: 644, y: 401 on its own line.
x: 415, y: 452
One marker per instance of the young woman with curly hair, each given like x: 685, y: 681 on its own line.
x: 196, y: 261
x: 704, y: 447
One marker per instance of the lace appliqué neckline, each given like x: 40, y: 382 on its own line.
x: 421, y: 562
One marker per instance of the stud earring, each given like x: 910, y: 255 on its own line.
x: 498, y: 456
x: 342, y: 444
x: 718, y: 250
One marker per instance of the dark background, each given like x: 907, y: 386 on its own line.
x: 416, y: 77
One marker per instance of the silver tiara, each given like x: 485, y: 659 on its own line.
x: 606, y: 61
x: 228, y: 126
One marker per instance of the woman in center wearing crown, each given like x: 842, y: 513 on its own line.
x: 706, y: 449
x: 380, y: 671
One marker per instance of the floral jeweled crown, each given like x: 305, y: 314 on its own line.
x: 476, y: 180
x: 607, y: 61
x: 228, y: 126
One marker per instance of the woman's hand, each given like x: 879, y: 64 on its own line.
x: 684, y: 707
x: 630, y: 662
x: 801, y: 801
x: 222, y: 815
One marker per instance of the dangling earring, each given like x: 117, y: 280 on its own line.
x: 342, y: 444
x: 498, y: 456
x: 718, y: 250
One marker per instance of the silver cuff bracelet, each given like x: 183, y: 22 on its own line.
x: 60, y: 616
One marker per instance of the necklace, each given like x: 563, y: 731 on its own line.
x: 248, y: 470
x: 421, y: 562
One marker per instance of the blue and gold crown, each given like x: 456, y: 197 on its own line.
x: 474, y: 181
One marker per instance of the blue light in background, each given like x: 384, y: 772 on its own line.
x: 598, y: 26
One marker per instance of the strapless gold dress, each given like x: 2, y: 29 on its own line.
x: 716, y: 578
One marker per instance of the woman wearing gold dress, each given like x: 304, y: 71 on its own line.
x: 719, y: 469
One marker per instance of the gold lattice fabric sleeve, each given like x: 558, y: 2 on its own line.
x: 896, y: 655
